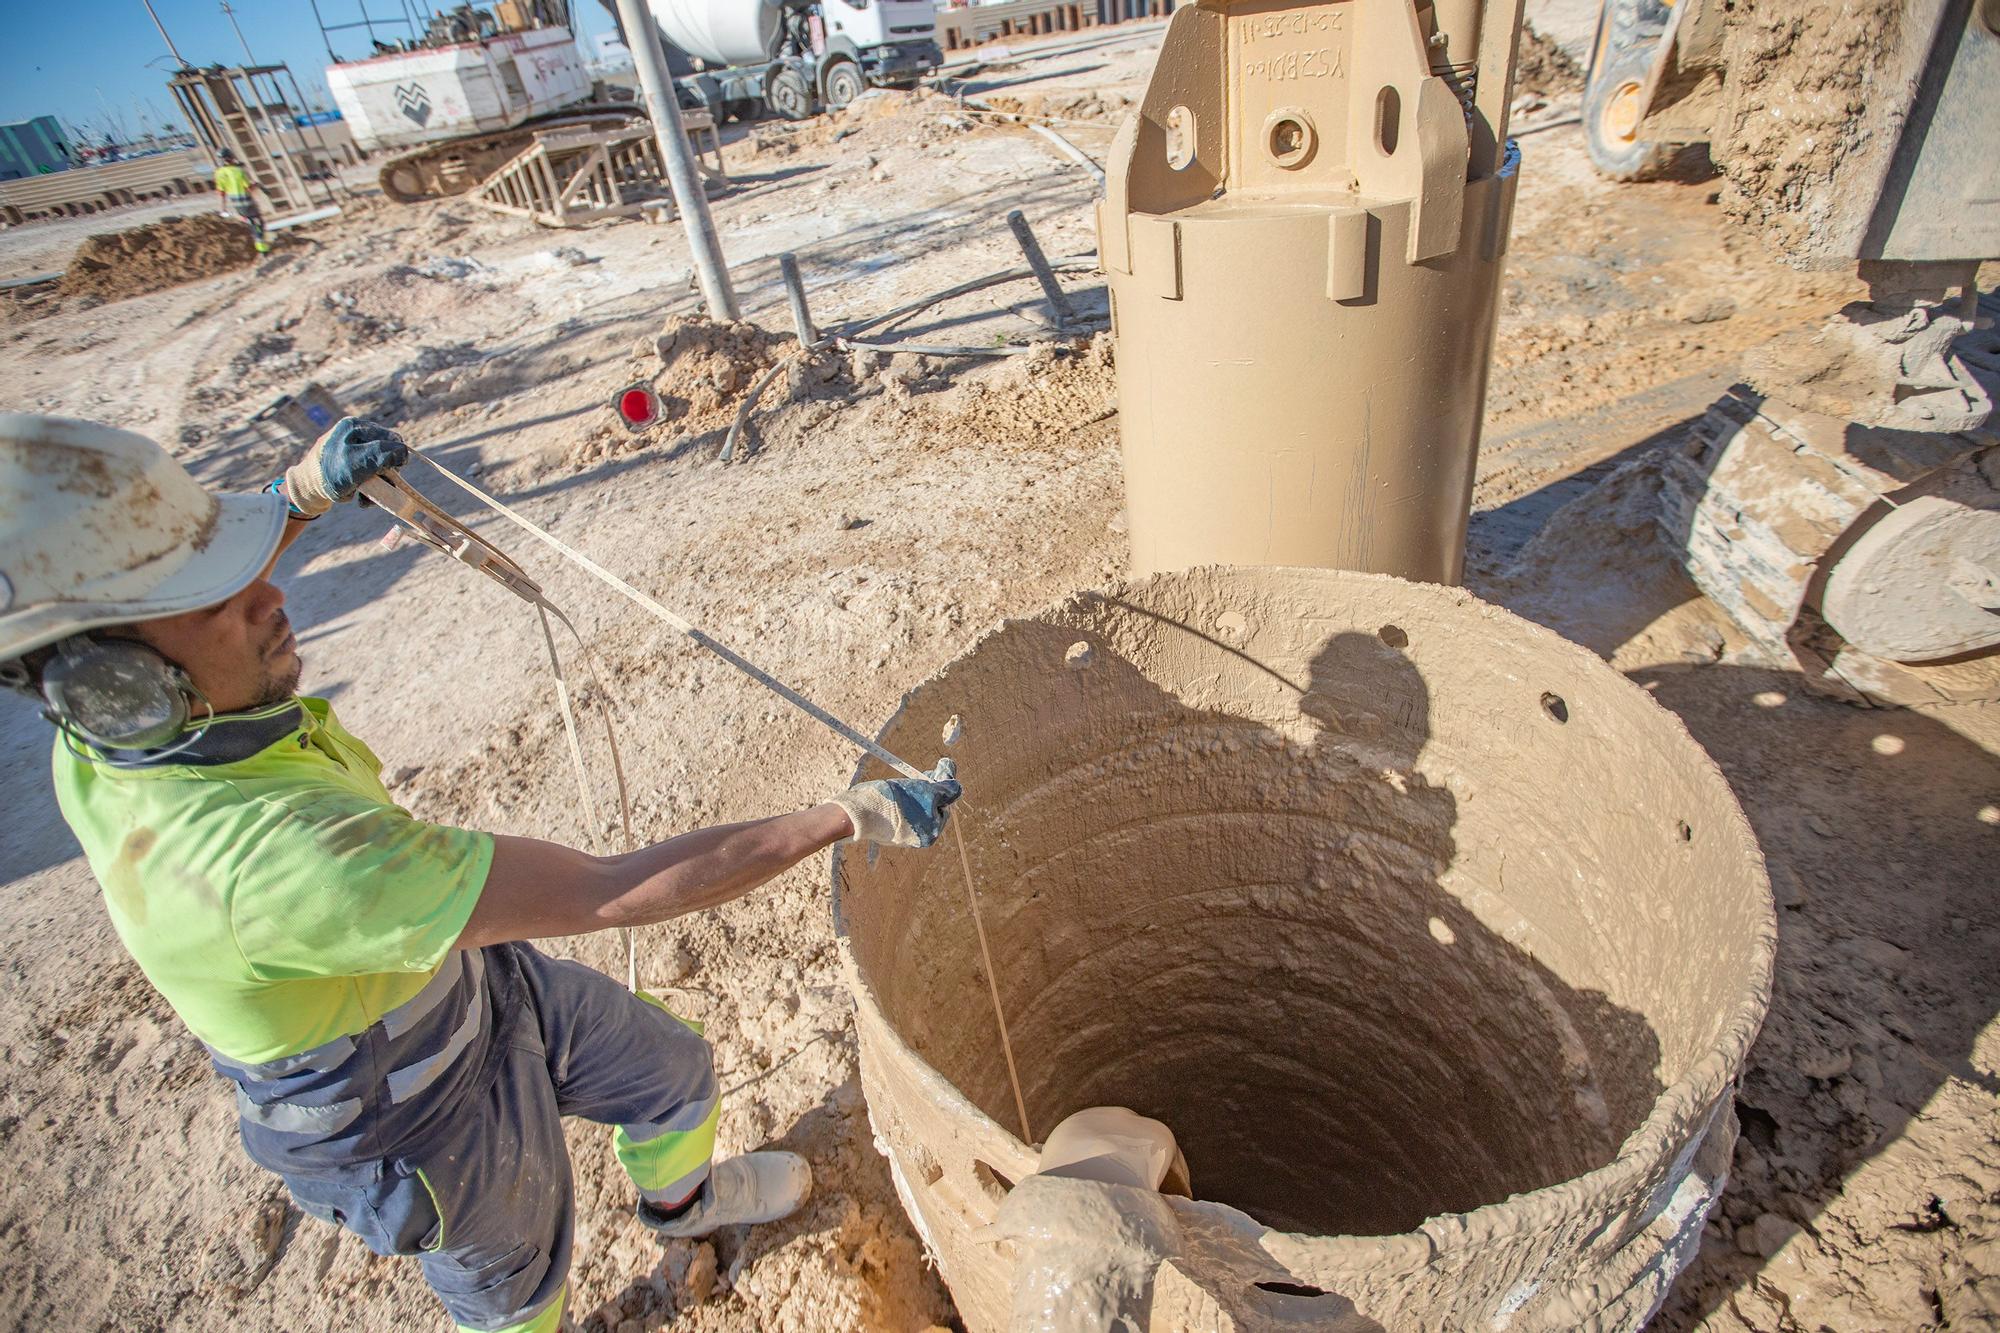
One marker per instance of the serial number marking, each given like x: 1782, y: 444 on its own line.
x: 1268, y: 26
x: 1318, y: 63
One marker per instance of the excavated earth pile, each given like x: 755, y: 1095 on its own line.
x: 1436, y: 942
x: 701, y: 369
x: 120, y: 264
x: 1545, y: 68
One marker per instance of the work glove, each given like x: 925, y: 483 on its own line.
x: 901, y: 812
x: 332, y: 472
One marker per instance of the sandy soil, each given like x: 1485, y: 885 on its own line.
x: 116, y: 266
x: 887, y: 513
x: 46, y: 247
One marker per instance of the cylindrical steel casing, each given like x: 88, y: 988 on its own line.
x: 1266, y: 424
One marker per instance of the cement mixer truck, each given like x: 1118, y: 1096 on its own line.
x: 797, y: 57
x: 463, y: 97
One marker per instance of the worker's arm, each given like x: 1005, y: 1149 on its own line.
x: 332, y: 471
x: 535, y: 889
x: 293, y: 528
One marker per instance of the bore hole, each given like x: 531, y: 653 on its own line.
x: 1687, y: 833
x: 1290, y: 139
x: 1553, y: 705
x: 1388, y: 120
x: 997, y: 1186
x: 1290, y: 1289
x: 1078, y: 656
x: 1232, y: 625
x: 1180, y: 138
x: 1394, y: 636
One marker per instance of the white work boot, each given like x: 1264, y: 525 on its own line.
x: 756, y: 1187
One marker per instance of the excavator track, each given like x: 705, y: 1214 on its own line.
x: 1761, y: 499
x: 456, y: 166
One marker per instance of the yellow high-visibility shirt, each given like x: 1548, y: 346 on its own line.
x: 232, y: 181
x: 280, y: 899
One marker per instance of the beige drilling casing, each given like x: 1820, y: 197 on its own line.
x: 1302, y: 227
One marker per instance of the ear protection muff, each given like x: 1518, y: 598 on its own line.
x: 116, y: 694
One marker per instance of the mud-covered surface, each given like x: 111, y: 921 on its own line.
x: 1809, y: 88
x: 883, y: 519
x: 1260, y: 856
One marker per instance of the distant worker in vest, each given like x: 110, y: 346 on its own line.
x: 233, y: 183
x: 401, y: 1054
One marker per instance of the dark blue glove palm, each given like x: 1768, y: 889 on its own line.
x: 347, y: 455
x: 902, y: 812
x: 922, y: 804
x: 355, y: 450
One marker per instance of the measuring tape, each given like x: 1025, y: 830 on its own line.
x: 440, y: 531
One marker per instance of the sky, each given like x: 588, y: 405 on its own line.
x: 94, y: 63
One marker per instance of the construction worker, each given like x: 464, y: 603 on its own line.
x: 233, y: 183
x: 402, y: 1055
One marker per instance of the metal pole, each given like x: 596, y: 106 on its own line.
x: 323, y: 34
x: 171, y: 48
x: 689, y: 198
x: 795, y: 292
x: 332, y: 164
x: 1039, y: 262
x: 248, y: 59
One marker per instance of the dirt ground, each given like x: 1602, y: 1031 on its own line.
x: 886, y: 512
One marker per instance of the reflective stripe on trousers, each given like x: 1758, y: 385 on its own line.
x: 469, y: 1171
x: 366, y: 1094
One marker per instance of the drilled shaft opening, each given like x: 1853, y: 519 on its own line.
x: 1370, y: 969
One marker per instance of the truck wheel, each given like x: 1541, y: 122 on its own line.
x: 788, y: 94
x: 842, y: 82
x: 1611, y: 120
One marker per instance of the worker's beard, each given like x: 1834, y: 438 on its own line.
x: 281, y: 684
x: 282, y: 666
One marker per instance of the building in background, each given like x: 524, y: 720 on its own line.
x: 34, y: 148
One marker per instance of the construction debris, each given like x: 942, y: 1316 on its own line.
x: 1544, y: 68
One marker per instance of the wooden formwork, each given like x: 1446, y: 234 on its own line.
x: 568, y: 177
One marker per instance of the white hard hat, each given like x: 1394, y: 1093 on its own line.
x: 102, y: 527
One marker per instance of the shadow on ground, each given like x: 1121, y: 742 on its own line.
x: 1878, y: 827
